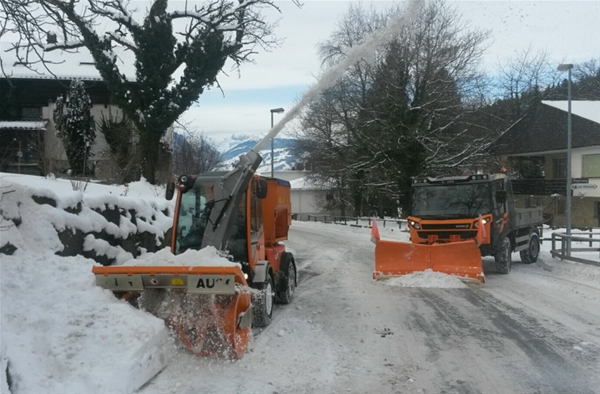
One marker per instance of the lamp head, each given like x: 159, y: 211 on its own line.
x: 277, y: 110
x: 564, y: 67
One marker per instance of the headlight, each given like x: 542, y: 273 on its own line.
x: 476, y: 224
x: 416, y: 225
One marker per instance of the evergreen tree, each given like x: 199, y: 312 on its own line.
x: 75, y: 126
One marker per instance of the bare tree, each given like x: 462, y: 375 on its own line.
x: 193, y: 153
x: 404, y: 114
x: 121, y: 159
x: 521, y: 81
x: 193, y: 40
x: 587, y: 76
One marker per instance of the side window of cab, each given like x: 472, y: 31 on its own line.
x: 256, y: 204
x: 499, y: 206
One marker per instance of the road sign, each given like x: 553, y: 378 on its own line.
x: 579, y: 186
x: 580, y: 180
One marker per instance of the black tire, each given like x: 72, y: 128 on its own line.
x: 263, y: 302
x: 504, y: 257
x: 285, y: 293
x: 530, y: 255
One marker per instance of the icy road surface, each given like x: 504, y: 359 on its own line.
x: 536, y: 330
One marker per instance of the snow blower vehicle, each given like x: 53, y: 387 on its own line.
x: 454, y: 221
x: 213, y: 306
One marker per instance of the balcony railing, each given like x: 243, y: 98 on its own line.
x: 539, y: 187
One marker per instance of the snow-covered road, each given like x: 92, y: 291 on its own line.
x: 536, y: 330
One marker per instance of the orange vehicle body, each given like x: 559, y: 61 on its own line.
x: 455, y: 221
x: 239, y: 295
x: 453, y: 247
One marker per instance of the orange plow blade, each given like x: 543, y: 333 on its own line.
x: 461, y: 259
x: 208, y: 306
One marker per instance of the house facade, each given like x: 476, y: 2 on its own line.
x: 538, y: 145
x: 28, y: 93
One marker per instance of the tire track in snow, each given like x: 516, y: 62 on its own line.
x: 511, y: 339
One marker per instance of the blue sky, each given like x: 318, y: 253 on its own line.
x: 568, y: 30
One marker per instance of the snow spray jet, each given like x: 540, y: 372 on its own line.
x: 365, y: 50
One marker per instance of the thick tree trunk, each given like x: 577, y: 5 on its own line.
x: 149, y: 146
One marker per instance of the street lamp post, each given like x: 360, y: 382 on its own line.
x: 568, y: 67
x: 273, y: 111
x: 19, y: 155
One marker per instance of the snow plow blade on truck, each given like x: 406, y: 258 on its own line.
x: 212, y: 305
x: 460, y: 258
x: 455, y: 221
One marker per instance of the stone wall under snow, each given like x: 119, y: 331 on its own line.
x: 109, y: 229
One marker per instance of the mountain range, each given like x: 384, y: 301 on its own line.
x: 238, y: 145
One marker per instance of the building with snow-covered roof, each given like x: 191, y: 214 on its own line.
x: 28, y: 91
x: 539, y: 140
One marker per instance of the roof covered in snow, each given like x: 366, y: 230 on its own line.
x: 586, y: 109
x: 23, y: 125
x: 545, y: 129
x: 76, y: 63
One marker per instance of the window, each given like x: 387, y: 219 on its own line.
x: 31, y: 113
x: 560, y: 168
x: 590, y: 166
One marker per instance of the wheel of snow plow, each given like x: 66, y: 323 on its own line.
x: 263, y: 301
x: 288, y: 266
x: 530, y: 255
x: 503, y: 257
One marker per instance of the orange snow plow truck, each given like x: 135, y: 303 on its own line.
x: 454, y: 221
x: 212, y: 307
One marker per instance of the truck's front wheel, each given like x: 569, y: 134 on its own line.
x: 503, y: 257
x: 263, y: 302
x: 530, y: 255
x: 288, y: 284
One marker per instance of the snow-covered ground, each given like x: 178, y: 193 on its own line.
x: 536, y: 330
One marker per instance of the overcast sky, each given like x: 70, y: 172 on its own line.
x: 568, y: 30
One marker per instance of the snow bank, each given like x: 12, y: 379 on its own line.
x: 116, y: 228
x: 209, y: 256
x: 60, y: 333
x: 70, y: 350
x: 427, y: 278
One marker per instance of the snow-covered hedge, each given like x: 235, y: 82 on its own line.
x: 108, y: 228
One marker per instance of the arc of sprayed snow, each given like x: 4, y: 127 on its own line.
x: 364, y: 50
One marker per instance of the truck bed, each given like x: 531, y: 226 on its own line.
x: 528, y: 217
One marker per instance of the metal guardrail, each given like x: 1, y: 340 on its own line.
x: 357, y: 221
x: 589, y: 238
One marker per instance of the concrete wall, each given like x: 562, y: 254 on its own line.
x: 304, y: 203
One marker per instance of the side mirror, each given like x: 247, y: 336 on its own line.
x: 501, y: 196
x: 170, y: 190
x: 261, y: 189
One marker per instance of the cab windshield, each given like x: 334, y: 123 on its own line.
x: 194, y: 212
x: 194, y: 218
x: 452, y: 201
